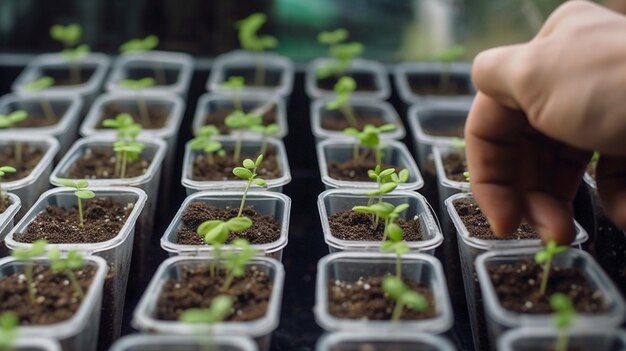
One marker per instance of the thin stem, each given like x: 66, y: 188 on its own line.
x: 48, y: 110
x: 80, y: 212
x: 245, y: 194
x: 209, y: 158
x: 29, y: 281
x: 159, y: 73
x: 228, y: 281
x: 348, y: 113
x: 237, y: 146
x: 237, y: 102
x: 144, y: 115
x: 259, y: 74
x: 355, y: 151
x: 562, y: 341
x: 378, y: 155
x: 386, y: 229
x: 75, y: 284
x: 18, y: 152
x: 397, y: 311
x: 544, y: 276
x: 118, y: 163
x: 376, y: 219
x: 123, y: 168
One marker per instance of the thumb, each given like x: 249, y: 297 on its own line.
x: 494, y: 70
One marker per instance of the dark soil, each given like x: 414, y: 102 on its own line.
x: 6, y: 202
x: 478, y: 227
x: 62, y: 76
x: 364, y: 82
x: 103, y: 220
x: 31, y: 156
x: 217, y: 117
x: 517, y: 286
x: 335, y: 120
x: 55, y: 299
x: 354, y: 170
x: 264, y: 229
x: 350, y: 225
x: 158, y: 115
x: 365, y: 299
x: 196, y: 289
x: 100, y: 164
x: 222, y: 167
x: 455, y: 164
x: 429, y: 84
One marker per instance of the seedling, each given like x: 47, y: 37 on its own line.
x: 139, y: 85
x: 447, y: 56
x: 397, y: 290
x: 69, y: 36
x: 388, y: 212
x: 38, y: 248
x: 220, y: 308
x: 248, y: 172
x: 565, y: 313
x: 129, y: 151
x: 387, y: 180
x: 238, y: 121
x: 72, y: 261
x: 4, y: 170
x: 215, y: 233
x: 205, y: 143
x: 82, y: 193
x: 126, y: 147
x: 265, y: 131
x: 342, y: 53
x: 39, y: 85
x: 369, y: 137
x: 344, y: 88
x: 235, y: 261
x: 235, y: 84
x: 139, y: 45
x: 396, y: 245
x: 250, y: 40
x: 8, y: 330
x: 466, y: 175
x: 10, y: 120
x: 124, y: 124
x: 544, y: 257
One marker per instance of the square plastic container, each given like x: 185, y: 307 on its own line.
x: 352, y: 341
x: 144, y: 317
x: 499, y: 319
x: 46, y: 64
x: 36, y: 344
x: 144, y: 342
x: 537, y: 339
x: 375, y: 70
x: 278, y: 70
x: 65, y: 130
x: 447, y: 187
x: 403, y: 72
x: 249, y: 146
x: 144, y: 64
x: 349, y: 266
x: 209, y: 103
x: 385, y: 110
x: 7, y: 219
x: 80, y: 332
x: 340, y: 150
x: 332, y: 201
x: 268, y: 203
x: 116, y: 251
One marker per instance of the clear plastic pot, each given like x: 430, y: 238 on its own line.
x: 500, y: 319
x: 146, y: 64
x: 36, y: 344
x: 278, y: 69
x: 144, y: 317
x: 341, y: 150
x: 403, y: 72
x: 80, y: 332
x: 336, y: 200
x: 7, y: 219
x: 361, y: 106
x: 350, y: 266
x: 268, y: 203
x: 209, y: 103
x: 117, y: 251
x: 145, y: 342
x: 537, y: 339
x: 376, y: 70
x: 447, y: 187
x: 249, y: 146
x: 65, y: 130
x: 353, y: 341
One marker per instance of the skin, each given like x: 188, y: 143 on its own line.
x: 542, y: 108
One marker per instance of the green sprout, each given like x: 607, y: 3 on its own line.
x: 565, y: 313
x: 388, y: 212
x: 69, y: 36
x: 39, y: 85
x: 250, y: 40
x: 265, y: 131
x: 395, y: 244
x: 466, y: 175
x: 130, y: 151
x: 4, y: 170
x: 220, y: 308
x: 82, y: 193
x: 235, y: 84
x: 8, y: 330
x: 248, y: 172
x: 139, y: 85
x: 38, y: 248
x: 544, y: 257
x: 215, y: 233
x: 126, y: 147
x: 139, y: 45
x: 235, y: 261
x: 387, y: 180
x: 397, y: 290
x: 447, y: 56
x: 342, y: 53
x: 369, y: 137
x: 124, y: 124
x: 10, y: 120
x: 595, y: 157
x: 72, y: 261
x: 239, y: 121
x: 344, y: 88
x: 458, y: 143
x: 205, y: 143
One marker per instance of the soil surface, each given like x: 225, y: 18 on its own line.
x: 335, y: 120
x: 103, y: 220
x: 196, y: 289
x: 517, y: 286
x: 430, y: 84
x: 100, y: 164
x: 264, y: 229
x: 222, y: 167
x: 217, y: 117
x: 354, y: 170
x: 455, y: 164
x: 158, y: 115
x: 55, y: 299
x: 365, y: 299
x: 478, y: 227
x: 31, y: 155
x: 364, y: 82
x: 350, y: 225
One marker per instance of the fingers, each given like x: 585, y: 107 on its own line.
x: 611, y: 181
x: 551, y: 217
x: 491, y: 73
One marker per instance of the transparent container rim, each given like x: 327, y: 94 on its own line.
x: 391, y: 144
x: 513, y: 319
x: 46, y: 344
x: 9, y: 213
x: 255, y: 328
x: 436, y: 105
x: 431, y: 225
x: 401, y: 70
x: 482, y: 244
x: 88, y: 127
x: 51, y: 146
x: 506, y: 340
x: 274, y: 246
x: 439, y: 324
x: 72, y: 154
x: 138, y: 340
x: 89, y: 248
x: 202, y: 185
x: 75, y: 104
x: 438, y: 154
x: 389, y: 113
x: 333, y: 338
x: 73, y: 325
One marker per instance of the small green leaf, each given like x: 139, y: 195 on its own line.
x: 217, y: 235
x: 332, y: 37
x: 395, y: 232
x: 541, y: 257
x: 260, y: 182
x: 39, y: 84
x: 242, y: 173
x: 206, y: 226
x: 387, y: 127
x: 414, y: 301
x: 249, y: 164
x: 388, y: 187
x: 7, y: 169
x: 403, y: 176
x: 258, y: 161
x: 81, y: 184
x: 85, y: 194
x: 238, y: 224
x: 394, y: 287
x: 401, y: 208
x: 387, y: 172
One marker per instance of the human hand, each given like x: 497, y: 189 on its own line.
x: 542, y: 108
